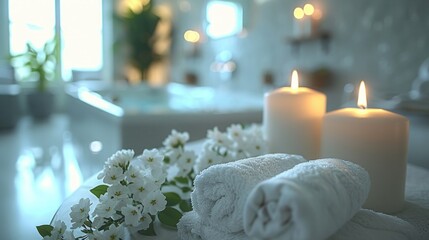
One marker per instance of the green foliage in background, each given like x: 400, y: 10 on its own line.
x: 140, y: 37
x: 38, y: 64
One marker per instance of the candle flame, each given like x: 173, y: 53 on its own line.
x: 362, y: 96
x: 295, y: 81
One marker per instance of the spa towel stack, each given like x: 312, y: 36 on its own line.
x: 221, y: 191
x: 310, y: 201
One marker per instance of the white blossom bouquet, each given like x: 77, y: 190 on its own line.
x: 156, y: 185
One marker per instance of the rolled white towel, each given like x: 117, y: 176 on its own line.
x: 190, y: 227
x: 310, y: 201
x: 370, y: 225
x: 221, y: 190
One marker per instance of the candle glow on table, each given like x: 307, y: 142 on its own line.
x: 293, y: 118
x: 377, y: 140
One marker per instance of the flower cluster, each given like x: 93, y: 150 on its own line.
x: 155, y: 185
x: 236, y: 143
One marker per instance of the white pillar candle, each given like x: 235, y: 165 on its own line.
x: 375, y: 139
x: 292, y: 120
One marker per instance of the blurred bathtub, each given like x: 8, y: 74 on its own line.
x: 104, y: 119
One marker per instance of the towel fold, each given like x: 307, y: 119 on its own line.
x: 221, y: 190
x: 190, y: 227
x: 310, y: 201
x: 370, y: 225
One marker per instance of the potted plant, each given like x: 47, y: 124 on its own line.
x: 139, y: 37
x: 39, y: 65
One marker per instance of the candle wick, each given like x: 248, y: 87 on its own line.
x: 362, y: 107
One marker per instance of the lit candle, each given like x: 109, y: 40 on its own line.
x: 375, y: 139
x: 293, y: 119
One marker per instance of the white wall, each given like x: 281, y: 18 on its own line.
x: 383, y: 42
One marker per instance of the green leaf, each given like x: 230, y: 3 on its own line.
x: 185, y: 206
x: 86, y: 231
x: 87, y: 223
x: 183, y: 180
x: 186, y: 189
x: 170, y: 217
x: 45, y: 230
x: 150, y: 231
x: 99, y: 190
x: 172, y: 198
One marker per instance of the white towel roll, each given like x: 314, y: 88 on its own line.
x: 190, y: 227
x: 370, y: 225
x: 310, y: 201
x: 221, y: 190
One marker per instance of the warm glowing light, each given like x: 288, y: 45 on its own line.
x: 317, y: 14
x: 298, y: 13
x: 224, y: 18
x: 135, y: 6
x: 308, y: 9
x: 362, y: 96
x: 191, y: 36
x: 295, y: 81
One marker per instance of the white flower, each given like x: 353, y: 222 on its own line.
x: 132, y: 215
x: 151, y: 158
x: 187, y: 159
x: 68, y: 235
x: 118, y: 191
x: 134, y: 174
x: 254, y: 131
x: 141, y: 189
x: 80, y: 212
x: 235, y: 132
x: 95, y: 235
x: 154, y: 202
x: 113, y: 175
x: 255, y: 147
x: 218, y: 137
x: 102, y: 174
x: 52, y: 237
x: 185, y: 163
x: 106, y: 207
x: 113, y: 233
x: 238, y: 153
x: 184, y: 171
x: 145, y: 221
x: 157, y: 172
x: 121, y: 203
x: 97, y: 222
x: 58, y: 231
x: 206, y: 159
x: 174, y: 154
x: 220, y: 149
x: 176, y: 139
x: 121, y: 158
x: 153, y: 165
